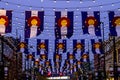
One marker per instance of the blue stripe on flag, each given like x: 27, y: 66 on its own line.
x: 38, y: 50
x: 47, y: 44
x: 64, y: 42
x: 26, y: 49
x: 57, y: 28
x: 70, y: 28
x: 85, y: 28
x: 41, y: 27
x: 97, y: 28
x: 74, y: 46
x: 83, y: 43
x: 27, y: 28
x: 9, y: 27
x: 92, y: 43
x: 56, y: 42
x: 112, y: 28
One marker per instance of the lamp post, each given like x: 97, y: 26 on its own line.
x: 114, y: 60
x: 1, y: 58
x: 103, y: 50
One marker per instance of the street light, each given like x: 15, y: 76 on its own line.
x: 1, y: 58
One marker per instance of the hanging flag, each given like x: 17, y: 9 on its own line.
x: 91, y: 23
x: 30, y: 56
x: 43, y: 57
x: 114, y: 23
x: 75, y: 67
x: 96, y: 46
x: 47, y: 63
x: 57, y: 57
x: 78, y: 45
x: 5, y: 21
x: 67, y: 65
x: 63, y: 24
x: 60, y: 46
x: 79, y: 64
x: 23, y: 46
x: 71, y: 57
x: 36, y: 62
x: 57, y: 65
x: 85, y: 57
x: 42, y: 46
x: 34, y: 21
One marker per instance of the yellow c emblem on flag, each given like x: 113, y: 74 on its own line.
x: 42, y: 46
x: 116, y: 21
x: 43, y: 56
x: 91, y: 21
x: 79, y: 46
x: 60, y: 45
x: 71, y: 56
x: 84, y: 56
x: 22, y: 45
x: 97, y: 45
x: 64, y: 21
x: 78, y: 62
x: 4, y: 20
x: 57, y: 56
x: 34, y: 21
x: 30, y: 56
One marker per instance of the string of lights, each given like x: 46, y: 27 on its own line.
x: 88, y: 7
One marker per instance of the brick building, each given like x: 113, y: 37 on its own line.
x: 12, y: 60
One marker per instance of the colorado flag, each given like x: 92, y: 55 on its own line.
x: 5, y: 21
x: 91, y: 23
x: 96, y: 46
x: 114, y: 23
x: 34, y: 21
x: 64, y: 24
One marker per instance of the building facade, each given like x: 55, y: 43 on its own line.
x: 11, y: 67
x: 112, y: 55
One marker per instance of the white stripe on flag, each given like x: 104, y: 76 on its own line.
x: 2, y: 29
x: 91, y: 28
x: 74, y: 69
x: 97, y: 50
x: 63, y: 28
x: 90, y: 13
x: 63, y: 13
x: 71, y: 69
x: 118, y: 30
x: 77, y: 55
x: 57, y: 71
x: 2, y: 26
x: 85, y: 60
x: 42, y: 51
x: 71, y: 61
x: 33, y: 29
x: 34, y: 13
x: 22, y: 50
x: 60, y: 69
x: 117, y: 13
x: 78, y: 66
x: 2, y: 12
